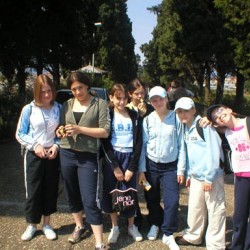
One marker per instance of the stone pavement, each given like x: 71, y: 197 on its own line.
x: 12, y: 220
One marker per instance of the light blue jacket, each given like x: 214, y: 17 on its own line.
x: 32, y: 129
x: 203, y: 157
x: 163, y: 141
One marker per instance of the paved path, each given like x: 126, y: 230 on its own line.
x: 12, y: 220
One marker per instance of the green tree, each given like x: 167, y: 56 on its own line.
x: 14, y: 47
x: 44, y: 36
x: 190, y: 42
x: 164, y: 60
x: 151, y: 64
x: 202, y: 41
x: 237, y: 14
x: 61, y: 36
x: 116, y: 47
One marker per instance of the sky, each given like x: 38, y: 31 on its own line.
x: 143, y: 21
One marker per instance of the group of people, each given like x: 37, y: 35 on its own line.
x: 139, y: 142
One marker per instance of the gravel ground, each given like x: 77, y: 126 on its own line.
x: 12, y: 218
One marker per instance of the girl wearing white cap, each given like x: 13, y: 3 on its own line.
x: 205, y: 179
x: 162, y: 164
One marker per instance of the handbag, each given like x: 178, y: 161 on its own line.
x: 123, y: 200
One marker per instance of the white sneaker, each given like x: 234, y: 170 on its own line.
x: 28, y: 233
x: 170, y: 242
x: 49, y: 232
x: 133, y: 231
x: 153, y: 232
x: 114, y: 234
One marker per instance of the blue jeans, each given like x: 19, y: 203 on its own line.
x: 163, y: 175
x: 241, y: 218
x: 81, y: 182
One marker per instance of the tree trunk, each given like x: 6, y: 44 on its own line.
x: 200, y: 80
x: 238, y: 102
x: 39, y: 66
x: 56, y: 75
x: 21, y: 78
x: 220, y: 85
x: 199, y: 76
x: 207, y: 82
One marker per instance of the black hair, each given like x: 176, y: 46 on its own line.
x: 79, y: 77
x: 135, y: 84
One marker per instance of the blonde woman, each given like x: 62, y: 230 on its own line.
x: 36, y: 132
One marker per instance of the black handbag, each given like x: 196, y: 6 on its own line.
x: 123, y: 199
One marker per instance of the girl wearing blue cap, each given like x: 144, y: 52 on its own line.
x: 205, y: 180
x: 162, y: 164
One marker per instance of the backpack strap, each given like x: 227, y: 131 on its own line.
x: 23, y: 147
x: 200, y: 130
x: 248, y: 124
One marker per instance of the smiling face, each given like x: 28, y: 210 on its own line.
x: 44, y: 91
x: 159, y: 103
x: 221, y: 116
x: 119, y: 100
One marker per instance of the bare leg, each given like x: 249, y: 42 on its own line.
x: 46, y: 220
x: 98, y: 232
x: 114, y: 219
x: 131, y: 221
x: 78, y: 218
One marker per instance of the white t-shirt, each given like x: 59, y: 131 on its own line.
x: 122, y: 133
x: 46, y: 115
x: 239, y: 142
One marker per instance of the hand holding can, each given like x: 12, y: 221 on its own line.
x: 146, y: 185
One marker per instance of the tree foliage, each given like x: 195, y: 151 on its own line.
x: 116, y: 41
x: 191, y: 40
x: 57, y: 35
x: 237, y: 21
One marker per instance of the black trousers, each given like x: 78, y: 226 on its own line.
x: 241, y: 218
x: 41, y: 183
